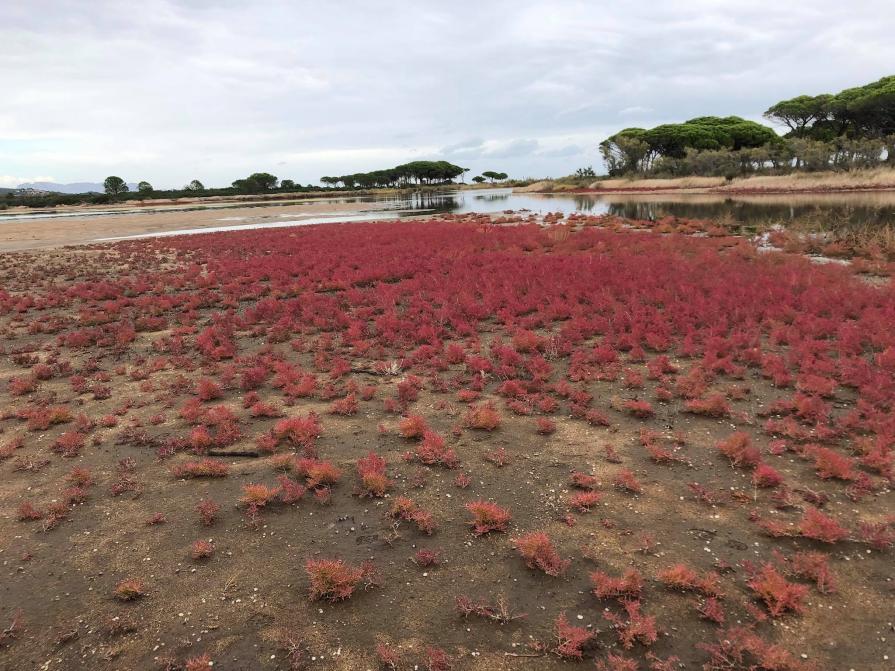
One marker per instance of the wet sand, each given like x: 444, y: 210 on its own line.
x: 41, y: 233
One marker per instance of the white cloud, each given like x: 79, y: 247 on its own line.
x: 171, y: 90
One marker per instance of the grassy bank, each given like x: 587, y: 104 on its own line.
x: 877, y: 178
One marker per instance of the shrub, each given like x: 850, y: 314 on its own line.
x: 778, y: 594
x: 300, y: 431
x: 545, y: 426
x: 714, y: 405
x: 404, y: 508
x: 582, y: 480
x: 683, y: 578
x: 208, y: 511
x: 203, y: 468
x: 290, y: 491
x: 200, y: 663
x: 814, y: 524
x: 344, y: 406
x: 202, y: 550
x: 831, y: 464
x: 426, y: 558
x: 570, y: 640
x: 318, y: 473
x: 499, y: 457
x: 69, y: 444
x: 208, y: 390
x: 766, y: 476
x: 879, y: 535
x: 19, y: 386
x: 413, y: 427
x: 636, y: 628
x: 617, y: 663
x: 437, y: 659
x: 388, y: 658
x: 333, y: 579
x: 739, y: 449
x: 130, y: 589
x: 639, y: 409
x: 584, y: 501
x: 484, y: 417
x: 499, y: 612
x: 255, y: 496
x: 462, y: 481
x: 712, y: 610
x: 433, y: 452
x: 627, y: 482
x: 815, y: 566
x: 371, y: 473
x: 27, y: 512
x: 538, y: 552
x: 628, y: 586
x: 487, y: 517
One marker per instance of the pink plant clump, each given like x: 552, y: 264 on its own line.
x: 487, y: 517
x: 335, y: 580
x: 538, y: 552
x: 778, y: 594
x: 373, y: 480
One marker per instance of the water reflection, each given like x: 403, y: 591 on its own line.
x: 808, y: 210
x: 816, y: 210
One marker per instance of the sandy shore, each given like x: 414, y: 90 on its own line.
x: 60, y: 231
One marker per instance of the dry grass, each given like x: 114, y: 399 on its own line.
x: 677, y: 183
x: 877, y: 178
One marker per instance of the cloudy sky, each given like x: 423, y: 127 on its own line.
x: 172, y: 90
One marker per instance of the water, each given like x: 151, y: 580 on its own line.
x: 815, y: 210
x: 811, y: 211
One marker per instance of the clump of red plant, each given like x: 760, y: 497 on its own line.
x: 628, y: 586
x: 778, y: 594
x: 626, y: 481
x: 335, y: 580
x: 373, y: 481
x: 130, y: 589
x: 584, y: 501
x: 538, y: 552
x: 681, y: 577
x: 487, y: 517
x: 202, y: 549
x: 636, y: 627
x: 425, y: 558
x: 484, y: 417
x: 815, y: 524
x: 208, y: 511
x: 739, y: 449
x: 406, y: 509
x: 570, y: 640
x: 203, y: 468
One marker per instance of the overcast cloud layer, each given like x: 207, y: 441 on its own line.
x: 169, y: 91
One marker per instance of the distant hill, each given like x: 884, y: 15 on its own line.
x: 74, y: 187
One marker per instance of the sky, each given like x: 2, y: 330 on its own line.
x: 174, y: 90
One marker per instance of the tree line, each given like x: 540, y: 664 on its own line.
x: 420, y: 173
x: 854, y: 128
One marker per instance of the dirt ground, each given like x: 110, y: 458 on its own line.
x: 247, y: 606
x: 60, y: 231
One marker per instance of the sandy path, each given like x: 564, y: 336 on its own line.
x: 44, y: 233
